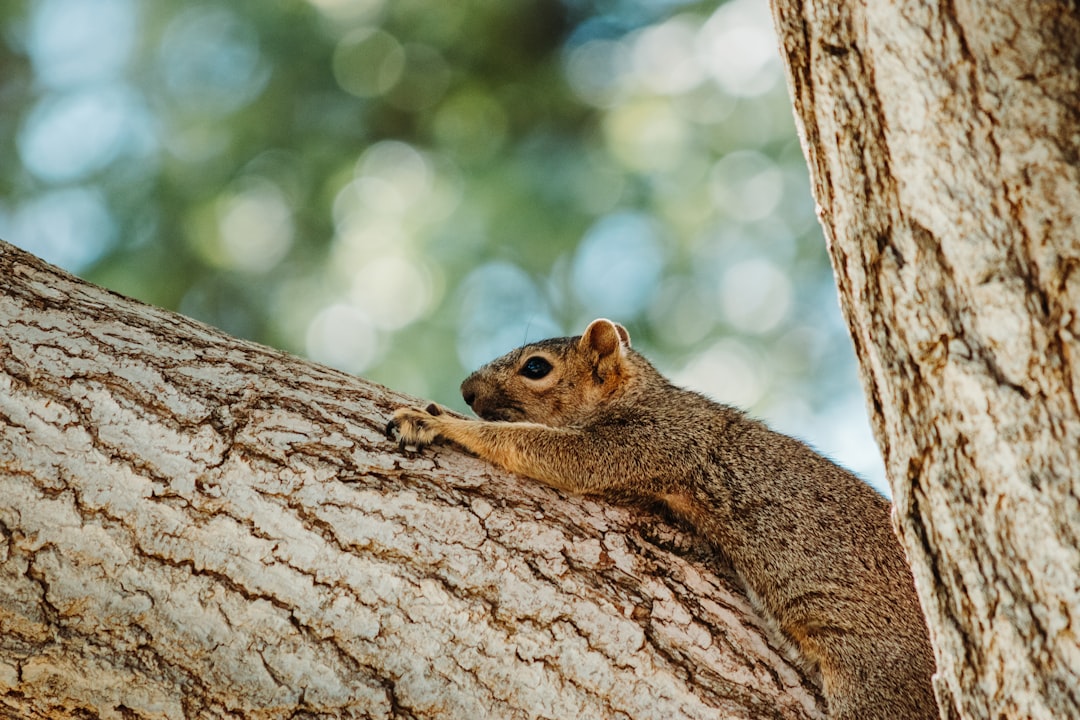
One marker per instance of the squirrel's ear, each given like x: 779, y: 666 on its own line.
x: 605, y: 338
x: 623, y: 334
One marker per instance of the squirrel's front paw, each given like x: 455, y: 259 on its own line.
x: 414, y: 428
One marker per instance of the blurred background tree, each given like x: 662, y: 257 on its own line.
x: 405, y: 189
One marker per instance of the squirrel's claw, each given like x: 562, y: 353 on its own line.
x: 413, y: 428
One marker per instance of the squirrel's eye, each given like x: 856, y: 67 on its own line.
x: 535, y: 368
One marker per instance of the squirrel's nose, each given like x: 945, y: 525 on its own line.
x: 468, y: 391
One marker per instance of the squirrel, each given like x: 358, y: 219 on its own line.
x: 811, y: 542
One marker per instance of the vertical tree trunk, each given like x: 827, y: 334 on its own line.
x: 195, y: 526
x: 942, y: 139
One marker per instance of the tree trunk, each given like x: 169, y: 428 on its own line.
x: 942, y: 144
x: 196, y: 526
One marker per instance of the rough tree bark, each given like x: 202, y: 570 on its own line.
x: 196, y: 526
x: 942, y: 143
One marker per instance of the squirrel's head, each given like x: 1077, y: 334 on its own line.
x: 555, y: 382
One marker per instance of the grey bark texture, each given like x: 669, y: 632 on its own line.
x: 943, y: 140
x: 193, y: 526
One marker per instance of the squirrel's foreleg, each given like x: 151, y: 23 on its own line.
x: 551, y: 455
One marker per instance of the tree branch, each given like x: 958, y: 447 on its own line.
x: 193, y: 525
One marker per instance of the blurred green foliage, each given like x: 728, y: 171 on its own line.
x: 407, y: 188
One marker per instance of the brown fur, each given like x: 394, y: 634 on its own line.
x: 812, y: 543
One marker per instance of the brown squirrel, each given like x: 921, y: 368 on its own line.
x: 812, y: 543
